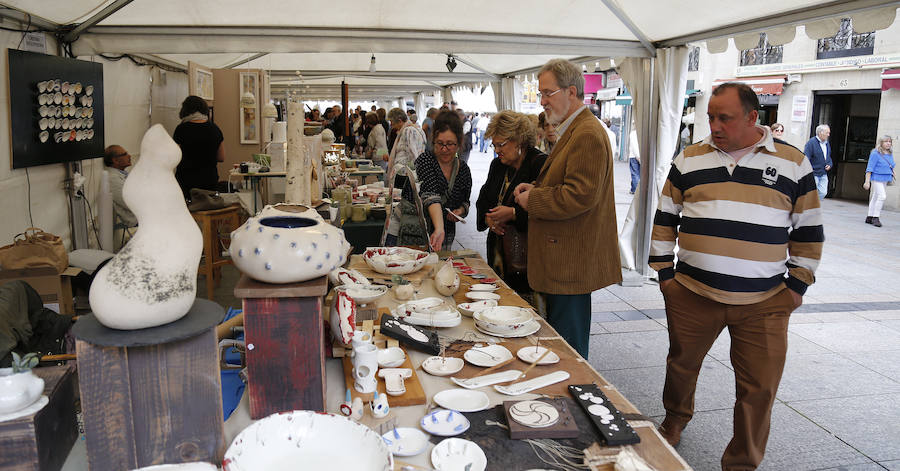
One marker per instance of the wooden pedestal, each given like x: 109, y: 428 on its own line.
x: 151, y: 396
x: 283, y: 330
x: 42, y: 441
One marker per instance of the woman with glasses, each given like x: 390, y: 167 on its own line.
x: 518, y: 161
x: 445, y: 183
x: 547, y: 133
x: 777, y: 130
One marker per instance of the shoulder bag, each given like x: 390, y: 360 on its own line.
x: 514, y: 244
x: 893, y: 173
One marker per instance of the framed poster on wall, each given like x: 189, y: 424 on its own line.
x: 249, y: 100
x: 200, y: 81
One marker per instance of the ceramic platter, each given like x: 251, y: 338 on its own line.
x: 444, y: 423
x: 534, y: 414
x: 487, y: 380
x: 530, y: 385
x: 442, y: 366
x: 430, y: 312
x: 406, y: 441
x: 347, y: 276
x: 394, y: 260
x: 456, y: 454
x: 363, y: 294
x: 462, y: 400
x: 487, y: 356
x: 467, y: 309
x: 526, y: 330
x: 482, y: 295
x: 483, y: 287
x: 318, y: 440
x: 391, y: 357
x: 531, y: 354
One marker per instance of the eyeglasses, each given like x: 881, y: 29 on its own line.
x: 497, y: 145
x: 548, y: 95
x: 445, y: 145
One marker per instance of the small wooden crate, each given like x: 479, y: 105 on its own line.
x: 42, y: 441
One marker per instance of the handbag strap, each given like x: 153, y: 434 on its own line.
x: 886, y: 161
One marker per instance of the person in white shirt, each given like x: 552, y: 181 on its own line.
x: 117, y: 159
x: 482, y: 127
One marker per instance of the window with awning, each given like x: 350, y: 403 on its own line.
x: 890, y: 78
x: 767, y: 85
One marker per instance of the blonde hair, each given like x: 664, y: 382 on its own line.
x: 567, y: 75
x: 515, y: 126
x: 880, y: 145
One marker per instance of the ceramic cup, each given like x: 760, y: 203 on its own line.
x: 365, y: 365
x: 359, y: 213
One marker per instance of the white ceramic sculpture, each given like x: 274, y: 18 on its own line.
x: 279, y: 248
x: 365, y: 366
x: 446, y: 280
x: 153, y: 279
x: 379, y: 405
x: 342, y: 317
x: 18, y: 390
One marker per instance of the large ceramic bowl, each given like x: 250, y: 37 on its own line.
x: 287, y: 249
x: 307, y: 440
x: 394, y: 260
x: 18, y: 390
x: 507, y: 323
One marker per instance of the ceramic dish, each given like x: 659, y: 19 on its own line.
x: 456, y: 454
x: 523, y: 387
x: 442, y: 366
x: 483, y: 287
x: 487, y: 380
x: 394, y: 260
x: 343, y: 276
x: 431, y: 312
x: 406, y: 441
x: 516, y: 319
x: 462, y: 400
x: 391, y: 357
x: 530, y: 354
x: 363, y: 294
x: 316, y: 439
x: 467, y: 309
x: 444, y: 423
x: 534, y: 414
x: 487, y: 356
x: 482, y: 295
x: 526, y: 330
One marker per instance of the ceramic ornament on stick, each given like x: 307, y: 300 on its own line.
x: 298, y: 163
x: 153, y: 280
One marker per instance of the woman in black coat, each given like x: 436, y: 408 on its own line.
x: 518, y: 161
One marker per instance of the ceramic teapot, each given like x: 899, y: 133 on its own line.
x: 18, y: 390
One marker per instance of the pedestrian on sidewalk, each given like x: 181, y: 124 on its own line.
x: 745, y: 216
x: 818, y: 151
x: 879, y: 173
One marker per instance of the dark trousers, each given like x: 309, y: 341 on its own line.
x: 570, y: 315
x: 758, y: 347
x: 634, y: 165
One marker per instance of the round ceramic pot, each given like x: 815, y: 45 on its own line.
x: 287, y: 209
x: 287, y: 249
x: 18, y: 390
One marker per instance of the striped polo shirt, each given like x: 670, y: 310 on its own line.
x: 744, y: 229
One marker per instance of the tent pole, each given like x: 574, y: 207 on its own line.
x: 98, y: 17
x: 647, y: 186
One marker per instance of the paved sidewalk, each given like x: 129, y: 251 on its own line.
x: 838, y: 406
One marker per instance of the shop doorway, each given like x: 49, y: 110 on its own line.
x: 853, y: 118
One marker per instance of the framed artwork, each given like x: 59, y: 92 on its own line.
x: 249, y: 113
x: 200, y: 81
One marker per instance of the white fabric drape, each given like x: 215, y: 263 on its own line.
x: 670, y: 83
x: 498, y: 100
x: 510, y: 90
x: 420, y: 107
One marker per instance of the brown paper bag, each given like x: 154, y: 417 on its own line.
x: 34, y: 248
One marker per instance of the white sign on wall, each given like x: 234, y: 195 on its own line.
x: 799, y: 108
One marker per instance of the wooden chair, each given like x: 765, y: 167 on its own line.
x: 216, y: 226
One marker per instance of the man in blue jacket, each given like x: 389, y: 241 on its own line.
x: 818, y: 151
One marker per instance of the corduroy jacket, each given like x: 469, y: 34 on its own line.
x: 572, y: 233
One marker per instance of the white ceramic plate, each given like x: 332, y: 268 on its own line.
x: 526, y: 330
x: 467, y: 309
x: 456, y: 454
x: 534, y: 414
x: 487, y: 380
x: 363, y: 294
x: 462, y: 400
x: 444, y: 423
x: 483, y: 287
x: 482, y: 295
x: 391, y: 357
x: 442, y: 366
x: 394, y: 260
x: 317, y: 440
x: 487, y: 356
x: 530, y: 354
x: 523, y: 387
x: 406, y: 441
x: 340, y: 275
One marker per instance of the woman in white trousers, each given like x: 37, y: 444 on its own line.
x: 879, y: 172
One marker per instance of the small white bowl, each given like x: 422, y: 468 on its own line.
x: 467, y: 309
x: 391, y: 357
x: 442, y: 366
x: 483, y: 287
x: 482, y: 295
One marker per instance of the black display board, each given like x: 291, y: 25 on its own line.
x: 78, y: 83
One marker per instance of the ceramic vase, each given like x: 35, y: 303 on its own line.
x: 153, y: 280
x: 18, y: 390
x: 365, y: 365
x: 279, y: 248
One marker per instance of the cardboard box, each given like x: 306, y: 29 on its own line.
x: 55, y: 288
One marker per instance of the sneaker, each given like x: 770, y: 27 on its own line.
x: 876, y: 222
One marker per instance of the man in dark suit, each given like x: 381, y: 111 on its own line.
x: 818, y: 151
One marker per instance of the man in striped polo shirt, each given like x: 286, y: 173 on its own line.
x: 744, y: 212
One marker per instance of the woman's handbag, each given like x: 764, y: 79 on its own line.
x: 411, y: 230
x: 35, y: 248
x: 515, y: 250
x: 893, y: 172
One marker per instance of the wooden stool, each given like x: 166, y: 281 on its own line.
x: 212, y: 224
x: 151, y: 396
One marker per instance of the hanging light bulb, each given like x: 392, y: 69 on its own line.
x: 372, y: 64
